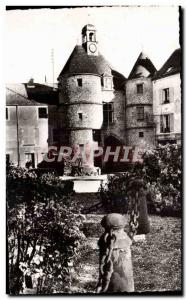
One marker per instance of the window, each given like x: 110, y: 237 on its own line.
x: 165, y: 96
x: 42, y: 112
x: 139, y: 88
x: 91, y: 36
x: 106, y: 82
x: 6, y: 113
x: 29, y: 160
x: 79, y: 81
x: 108, y: 113
x: 80, y: 116
x: 141, y: 134
x: 140, y: 113
x: 165, y: 123
x: 7, y: 159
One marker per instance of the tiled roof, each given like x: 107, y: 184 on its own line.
x: 171, y: 66
x: 42, y: 93
x: 143, y: 67
x: 35, y: 94
x: 80, y: 62
x: 16, y: 94
x: 118, y: 80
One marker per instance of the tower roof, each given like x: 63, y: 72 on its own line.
x: 88, y: 27
x: 80, y: 62
x: 143, y: 67
x: 171, y: 66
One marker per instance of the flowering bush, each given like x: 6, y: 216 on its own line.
x: 44, y: 232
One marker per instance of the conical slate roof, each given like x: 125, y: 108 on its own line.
x: 171, y: 66
x: 143, y: 67
x: 80, y: 62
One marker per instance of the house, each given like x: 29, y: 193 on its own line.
x: 167, y: 100
x: 26, y: 127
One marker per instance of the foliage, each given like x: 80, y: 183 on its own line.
x: 161, y: 171
x: 44, y: 236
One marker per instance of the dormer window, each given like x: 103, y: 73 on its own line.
x: 106, y: 82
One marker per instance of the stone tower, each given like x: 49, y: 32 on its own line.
x: 140, y: 128
x: 80, y: 92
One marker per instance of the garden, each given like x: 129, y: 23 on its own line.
x: 52, y: 241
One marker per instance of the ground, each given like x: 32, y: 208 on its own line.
x: 156, y: 261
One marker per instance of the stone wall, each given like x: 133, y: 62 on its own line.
x: 117, y: 129
x: 89, y: 92
x: 133, y: 138
x: 133, y: 125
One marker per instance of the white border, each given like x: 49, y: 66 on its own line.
x: 2, y: 102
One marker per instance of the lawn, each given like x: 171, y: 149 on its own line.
x: 156, y: 261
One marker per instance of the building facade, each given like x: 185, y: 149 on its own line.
x: 94, y: 105
x: 167, y: 101
x: 139, y: 104
x: 26, y: 128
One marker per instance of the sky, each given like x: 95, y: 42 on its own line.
x: 122, y: 33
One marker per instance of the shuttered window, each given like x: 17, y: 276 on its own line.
x: 166, y: 95
x: 167, y: 123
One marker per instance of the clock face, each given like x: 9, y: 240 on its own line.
x: 92, y: 48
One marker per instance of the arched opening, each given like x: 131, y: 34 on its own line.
x: 91, y: 36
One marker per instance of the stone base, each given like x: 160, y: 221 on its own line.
x: 86, y: 184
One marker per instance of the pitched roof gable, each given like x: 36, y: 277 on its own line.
x: 171, y: 66
x: 143, y: 67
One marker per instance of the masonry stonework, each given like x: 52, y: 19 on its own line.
x: 139, y: 130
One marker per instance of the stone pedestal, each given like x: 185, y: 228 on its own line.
x: 116, y: 272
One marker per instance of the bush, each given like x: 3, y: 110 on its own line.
x: 44, y: 232
x: 161, y: 171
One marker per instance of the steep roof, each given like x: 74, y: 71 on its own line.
x: 27, y: 94
x: 16, y: 94
x: 118, y: 80
x: 42, y: 93
x: 80, y: 62
x: 171, y: 66
x: 143, y: 67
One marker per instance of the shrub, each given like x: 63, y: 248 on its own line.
x: 161, y: 171
x: 44, y: 232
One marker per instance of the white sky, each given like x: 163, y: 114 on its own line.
x: 122, y: 32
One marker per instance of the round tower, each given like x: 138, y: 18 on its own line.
x: 80, y: 93
x: 139, y: 104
